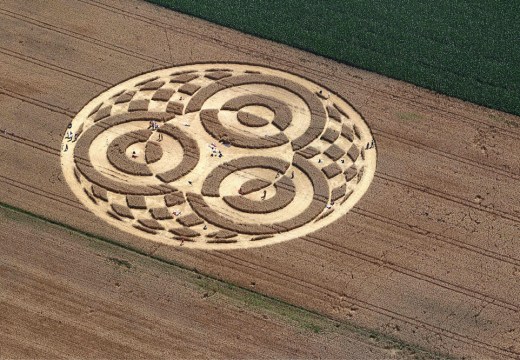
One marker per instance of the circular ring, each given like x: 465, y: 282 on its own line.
x: 218, y: 156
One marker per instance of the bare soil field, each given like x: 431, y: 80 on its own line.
x: 429, y: 254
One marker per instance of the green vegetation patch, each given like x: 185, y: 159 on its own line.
x: 409, y: 116
x: 465, y: 49
x: 510, y: 123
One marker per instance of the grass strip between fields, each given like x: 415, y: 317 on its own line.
x: 304, y: 318
x: 469, y: 50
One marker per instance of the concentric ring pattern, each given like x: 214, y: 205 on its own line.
x: 218, y: 156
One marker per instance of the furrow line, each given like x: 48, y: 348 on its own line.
x: 412, y: 273
x: 82, y: 37
x: 39, y: 192
x: 373, y: 308
x: 432, y: 235
x: 30, y: 143
x: 451, y: 198
x: 39, y: 103
x: 508, y: 174
x: 53, y: 67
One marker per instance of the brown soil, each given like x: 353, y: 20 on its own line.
x: 429, y: 255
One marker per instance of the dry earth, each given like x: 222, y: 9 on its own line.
x: 429, y: 255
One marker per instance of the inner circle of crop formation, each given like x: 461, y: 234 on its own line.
x: 218, y: 156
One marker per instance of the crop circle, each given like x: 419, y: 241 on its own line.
x: 218, y: 156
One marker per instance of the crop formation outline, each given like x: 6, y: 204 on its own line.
x: 219, y: 156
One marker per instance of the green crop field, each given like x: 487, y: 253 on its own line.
x: 467, y: 49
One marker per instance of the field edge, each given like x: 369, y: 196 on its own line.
x: 303, y: 318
